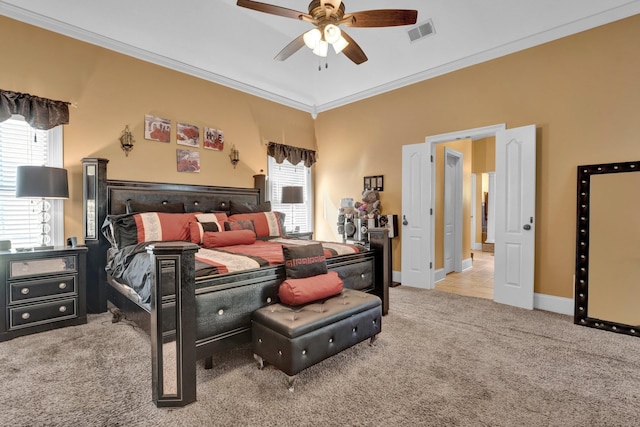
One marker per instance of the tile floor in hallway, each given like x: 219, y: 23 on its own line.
x: 474, y: 282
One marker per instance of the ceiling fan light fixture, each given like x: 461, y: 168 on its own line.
x: 332, y: 33
x: 321, y: 49
x: 312, y: 37
x: 340, y: 44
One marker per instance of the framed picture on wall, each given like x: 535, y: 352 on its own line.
x: 373, y: 183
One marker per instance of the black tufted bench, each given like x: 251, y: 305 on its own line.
x: 294, y: 338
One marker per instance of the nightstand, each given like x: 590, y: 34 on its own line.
x: 307, y: 235
x: 41, y: 290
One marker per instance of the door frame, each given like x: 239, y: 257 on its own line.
x: 453, y: 182
x: 432, y: 140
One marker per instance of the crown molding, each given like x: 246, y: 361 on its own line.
x: 611, y: 15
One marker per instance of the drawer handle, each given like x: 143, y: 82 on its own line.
x: 25, y: 316
x: 62, y: 285
x: 24, y: 291
x: 362, y: 276
x: 62, y: 309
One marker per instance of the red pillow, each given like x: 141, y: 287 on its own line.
x: 267, y: 224
x: 302, y: 291
x: 160, y: 226
x: 228, y: 238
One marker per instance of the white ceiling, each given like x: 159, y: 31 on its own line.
x: 221, y: 42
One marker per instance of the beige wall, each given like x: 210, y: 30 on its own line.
x: 580, y: 91
x: 112, y: 90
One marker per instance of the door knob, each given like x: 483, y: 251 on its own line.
x: 526, y: 227
x: 404, y: 220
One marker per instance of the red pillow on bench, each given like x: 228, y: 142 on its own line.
x: 308, y: 289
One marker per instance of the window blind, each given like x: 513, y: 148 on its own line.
x: 283, y: 175
x: 20, y: 144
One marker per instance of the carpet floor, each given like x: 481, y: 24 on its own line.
x: 441, y: 360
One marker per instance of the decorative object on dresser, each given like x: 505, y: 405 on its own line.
x: 41, y: 290
x: 42, y: 182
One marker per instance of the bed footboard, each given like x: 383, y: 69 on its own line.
x: 173, y: 362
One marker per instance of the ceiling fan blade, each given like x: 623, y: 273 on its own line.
x: 291, y: 48
x: 353, y: 51
x: 272, y: 9
x: 381, y: 18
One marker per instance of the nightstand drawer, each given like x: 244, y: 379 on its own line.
x: 33, y: 289
x: 34, y: 314
x: 34, y: 267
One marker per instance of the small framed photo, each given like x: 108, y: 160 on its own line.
x: 379, y: 184
x: 373, y: 183
x: 188, y: 135
x: 213, y: 139
x: 367, y: 183
x: 188, y: 160
x: 157, y: 128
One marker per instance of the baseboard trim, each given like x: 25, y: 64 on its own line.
x: 438, y: 275
x: 476, y: 246
x: 554, y: 304
x: 467, y: 264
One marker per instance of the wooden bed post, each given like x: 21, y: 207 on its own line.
x: 173, y: 323
x: 380, y: 243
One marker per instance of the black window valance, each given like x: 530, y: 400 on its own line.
x: 40, y: 113
x: 294, y: 155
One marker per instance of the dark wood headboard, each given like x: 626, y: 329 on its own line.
x: 196, y: 198
x: 102, y: 197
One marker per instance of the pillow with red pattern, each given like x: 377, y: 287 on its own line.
x: 206, y: 222
x: 228, y: 238
x: 304, y: 260
x: 266, y: 224
x: 309, y: 289
x: 240, y: 225
x: 161, y: 226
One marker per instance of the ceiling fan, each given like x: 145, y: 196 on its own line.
x: 327, y: 15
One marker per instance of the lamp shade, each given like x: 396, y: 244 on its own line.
x: 42, y: 182
x: 292, y: 195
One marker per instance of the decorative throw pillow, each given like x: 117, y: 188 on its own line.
x: 228, y: 238
x: 304, y: 260
x: 266, y: 224
x: 308, y: 289
x: 240, y: 208
x: 120, y: 230
x: 160, y: 226
x: 134, y: 206
x: 240, y: 225
x: 206, y: 222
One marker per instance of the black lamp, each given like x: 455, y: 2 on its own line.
x: 292, y: 194
x: 42, y: 182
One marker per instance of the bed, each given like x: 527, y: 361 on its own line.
x: 196, y: 307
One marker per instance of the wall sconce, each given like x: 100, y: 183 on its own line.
x: 234, y: 155
x: 126, y: 140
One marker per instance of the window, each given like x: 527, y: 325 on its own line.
x: 20, y: 144
x: 298, y: 216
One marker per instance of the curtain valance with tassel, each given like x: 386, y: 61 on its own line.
x: 294, y: 155
x: 40, y: 113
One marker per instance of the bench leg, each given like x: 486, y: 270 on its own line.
x: 290, y: 382
x: 373, y: 339
x: 260, y: 361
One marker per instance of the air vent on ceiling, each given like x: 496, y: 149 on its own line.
x: 421, y: 31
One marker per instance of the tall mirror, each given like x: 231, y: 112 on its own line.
x: 607, y: 290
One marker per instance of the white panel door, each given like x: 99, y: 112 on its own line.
x: 515, y: 216
x: 416, y: 202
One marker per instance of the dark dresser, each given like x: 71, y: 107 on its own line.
x: 42, y: 290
